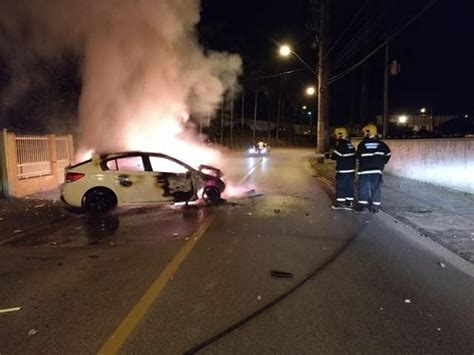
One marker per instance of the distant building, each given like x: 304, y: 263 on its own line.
x: 417, y: 122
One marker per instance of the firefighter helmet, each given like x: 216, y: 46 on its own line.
x: 341, y: 132
x: 370, y: 130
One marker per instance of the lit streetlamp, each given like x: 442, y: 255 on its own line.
x: 310, y: 90
x: 285, y: 51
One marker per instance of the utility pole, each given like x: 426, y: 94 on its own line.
x: 385, y: 93
x: 231, y: 142
x: 255, y: 116
x: 323, y: 97
x: 222, y: 121
x: 242, y: 122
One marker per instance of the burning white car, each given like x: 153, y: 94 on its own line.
x: 136, y: 178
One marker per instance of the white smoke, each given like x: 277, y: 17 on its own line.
x: 143, y: 71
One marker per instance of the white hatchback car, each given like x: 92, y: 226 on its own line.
x: 136, y: 178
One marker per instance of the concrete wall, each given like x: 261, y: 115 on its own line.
x: 444, y: 162
x: 12, y: 185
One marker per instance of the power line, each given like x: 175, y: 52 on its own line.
x: 279, y: 74
x: 392, y: 36
x: 347, y: 29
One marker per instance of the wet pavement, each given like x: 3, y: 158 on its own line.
x: 360, y: 283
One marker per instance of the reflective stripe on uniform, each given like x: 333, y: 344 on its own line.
x: 379, y: 153
x: 364, y: 202
x: 341, y: 200
x: 388, y: 154
x: 367, y: 155
x: 369, y: 172
x: 376, y: 203
x: 345, y: 171
x: 350, y: 198
x: 344, y: 155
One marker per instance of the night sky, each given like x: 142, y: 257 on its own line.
x: 436, y: 52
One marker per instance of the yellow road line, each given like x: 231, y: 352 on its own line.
x: 132, y: 320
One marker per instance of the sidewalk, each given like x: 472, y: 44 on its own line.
x: 443, y: 215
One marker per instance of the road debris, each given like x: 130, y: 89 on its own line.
x: 176, y: 235
x: 381, y: 308
x: 407, y: 300
x: 78, y: 228
x: 9, y: 310
x: 276, y: 210
x: 249, y: 214
x: 259, y: 298
x: 32, y: 332
x: 281, y: 274
x: 186, y: 239
x: 443, y: 265
x: 438, y: 329
x: 17, y: 231
x: 1, y: 219
x: 38, y: 206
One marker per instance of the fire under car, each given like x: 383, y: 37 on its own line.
x: 112, y: 180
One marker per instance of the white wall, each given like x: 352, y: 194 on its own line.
x: 445, y: 162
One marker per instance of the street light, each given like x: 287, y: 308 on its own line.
x: 285, y: 50
x: 304, y: 107
x: 402, y: 119
x: 310, y: 90
x: 423, y: 110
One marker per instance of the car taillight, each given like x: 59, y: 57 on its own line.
x: 71, y: 177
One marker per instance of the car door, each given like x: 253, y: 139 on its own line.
x: 172, y: 177
x: 130, y: 180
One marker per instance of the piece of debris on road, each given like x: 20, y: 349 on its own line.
x: 443, y: 265
x: 259, y: 298
x: 32, y: 332
x: 407, y: 300
x: 281, y: 274
x: 17, y: 231
x: 276, y: 210
x: 9, y: 310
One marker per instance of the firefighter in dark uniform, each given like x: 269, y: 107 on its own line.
x: 344, y: 155
x: 372, y: 155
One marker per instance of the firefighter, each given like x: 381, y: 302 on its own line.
x: 372, y: 155
x: 344, y: 155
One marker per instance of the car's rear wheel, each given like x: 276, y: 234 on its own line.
x: 99, y: 201
x: 211, y: 195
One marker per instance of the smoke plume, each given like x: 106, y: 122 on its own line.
x: 143, y: 71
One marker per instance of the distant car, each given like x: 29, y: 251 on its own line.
x: 136, y: 178
x: 261, y: 150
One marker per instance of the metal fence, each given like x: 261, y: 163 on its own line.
x: 34, y: 155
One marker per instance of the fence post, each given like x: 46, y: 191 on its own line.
x: 53, y: 156
x: 70, y: 149
x: 11, y: 163
x: 3, y: 164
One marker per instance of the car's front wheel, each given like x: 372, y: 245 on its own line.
x: 211, y: 195
x: 99, y: 201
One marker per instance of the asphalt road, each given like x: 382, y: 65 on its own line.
x: 360, y: 283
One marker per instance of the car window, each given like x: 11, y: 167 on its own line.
x: 134, y: 163
x: 164, y: 165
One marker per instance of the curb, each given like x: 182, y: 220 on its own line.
x: 440, y: 251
